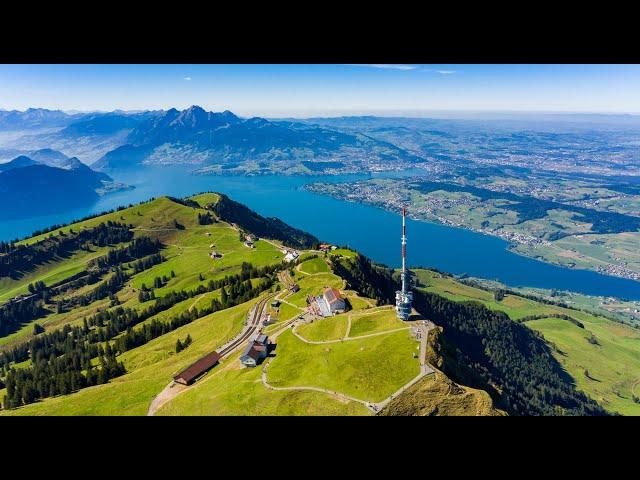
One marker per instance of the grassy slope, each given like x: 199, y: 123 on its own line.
x: 49, y: 273
x: 233, y: 390
x: 315, y: 265
x: 332, y: 328
x: 368, y: 369
x: 227, y: 389
x: 150, y: 367
x: 187, y: 256
x: 614, y: 364
x: 438, y: 395
x: 375, y: 320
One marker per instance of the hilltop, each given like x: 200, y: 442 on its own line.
x: 122, y: 302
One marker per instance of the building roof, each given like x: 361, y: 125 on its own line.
x: 198, y: 368
x: 332, y: 295
x: 251, y: 352
x: 262, y: 338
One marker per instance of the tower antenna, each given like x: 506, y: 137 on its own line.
x: 404, y: 297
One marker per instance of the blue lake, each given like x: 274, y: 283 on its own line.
x: 370, y: 230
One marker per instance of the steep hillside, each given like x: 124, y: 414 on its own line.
x: 601, y: 355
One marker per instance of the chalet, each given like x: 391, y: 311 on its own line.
x: 325, y: 247
x: 249, y: 244
x: 256, y: 351
x: 294, y: 288
x: 202, y: 366
x: 215, y: 255
x: 275, y: 304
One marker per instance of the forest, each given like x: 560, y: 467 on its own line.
x: 62, y: 359
x: 510, y: 361
x: 16, y: 259
x: 274, y: 228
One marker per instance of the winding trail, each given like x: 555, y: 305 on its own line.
x: 196, y: 302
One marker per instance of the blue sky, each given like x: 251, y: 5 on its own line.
x: 305, y: 90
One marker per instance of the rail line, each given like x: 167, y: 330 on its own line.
x: 246, y: 334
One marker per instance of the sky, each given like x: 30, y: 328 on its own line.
x: 310, y: 90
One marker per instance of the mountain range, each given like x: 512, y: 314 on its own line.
x: 222, y: 140
x: 209, y: 142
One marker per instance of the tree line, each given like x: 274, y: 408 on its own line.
x: 486, y: 349
x: 60, y: 375
x: 239, y: 292
x: 79, y: 344
x: 19, y: 258
x: 234, y: 212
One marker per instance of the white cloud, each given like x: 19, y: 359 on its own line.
x: 388, y: 66
x: 187, y: 79
x: 446, y: 72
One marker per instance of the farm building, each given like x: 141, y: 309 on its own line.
x: 256, y: 351
x: 275, y: 303
x: 294, y: 288
x: 215, y: 254
x: 202, y: 366
x: 325, y: 247
x: 249, y: 244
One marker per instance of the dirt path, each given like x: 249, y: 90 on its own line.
x: 197, y: 300
x: 346, y: 335
x: 166, y: 395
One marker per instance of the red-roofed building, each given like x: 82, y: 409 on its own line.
x: 334, y: 300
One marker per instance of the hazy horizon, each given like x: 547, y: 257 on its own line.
x: 326, y: 90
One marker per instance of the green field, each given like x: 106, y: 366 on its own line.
x: 233, y: 390
x: 331, y: 328
x: 377, y: 366
x: 187, y: 253
x: 378, y: 320
x: 369, y: 369
x: 613, y: 365
x: 315, y: 265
